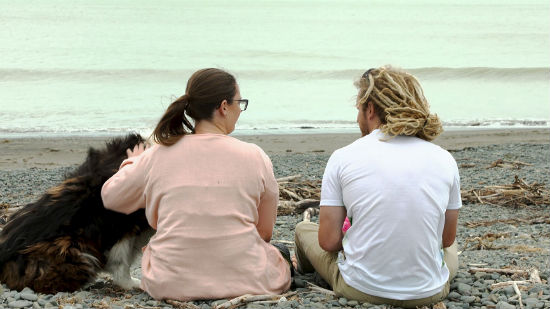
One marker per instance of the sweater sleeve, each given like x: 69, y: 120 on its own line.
x: 267, y: 208
x: 125, y: 191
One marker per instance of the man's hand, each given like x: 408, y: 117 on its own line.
x: 138, y: 149
x: 330, y: 235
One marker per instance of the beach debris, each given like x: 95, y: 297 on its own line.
x: 514, y: 221
x: 533, y: 273
x: 181, y: 305
x: 249, y: 298
x: 518, y: 194
x: 486, y: 242
x: 533, y: 279
x: 297, y: 194
x: 509, y: 164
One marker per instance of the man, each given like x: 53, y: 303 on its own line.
x: 401, y: 194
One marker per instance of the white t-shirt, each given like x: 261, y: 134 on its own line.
x: 396, y: 193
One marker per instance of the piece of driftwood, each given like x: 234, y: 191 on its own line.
x: 319, y: 289
x: 518, y: 293
x: 518, y: 194
x: 534, y: 278
x: 248, y: 298
x: 508, y: 164
x: 297, y: 194
x: 484, y: 242
x: 181, y: 305
x: 514, y: 221
x: 499, y: 270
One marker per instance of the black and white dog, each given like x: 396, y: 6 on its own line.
x: 64, y: 239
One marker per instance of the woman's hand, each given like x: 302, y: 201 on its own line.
x: 138, y: 149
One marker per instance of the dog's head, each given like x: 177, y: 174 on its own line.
x: 103, y: 163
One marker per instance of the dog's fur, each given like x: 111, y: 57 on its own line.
x: 61, y: 241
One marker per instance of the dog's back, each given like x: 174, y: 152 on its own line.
x: 58, y: 243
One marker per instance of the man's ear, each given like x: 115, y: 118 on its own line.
x: 370, y: 110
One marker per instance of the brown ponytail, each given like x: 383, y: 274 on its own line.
x: 206, y: 89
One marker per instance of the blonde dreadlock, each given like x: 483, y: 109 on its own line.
x: 399, y: 102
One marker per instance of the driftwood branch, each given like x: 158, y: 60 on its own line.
x: 517, y: 194
x: 500, y: 271
x: 289, y: 178
x: 248, y: 298
x: 518, y: 293
x: 319, y: 289
x: 181, y: 305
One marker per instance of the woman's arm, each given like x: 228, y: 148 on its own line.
x: 124, y: 191
x: 267, y: 209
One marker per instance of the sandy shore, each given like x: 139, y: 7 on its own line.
x: 21, y: 153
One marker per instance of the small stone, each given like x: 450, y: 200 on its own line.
x: 468, y: 299
x: 42, y: 302
x: 35, y: 305
x: 504, y: 305
x: 20, y: 304
x: 299, y: 283
x: 530, y: 302
x: 464, y: 289
x: 218, y: 302
x: 29, y: 296
x: 480, y: 275
x: 27, y: 290
x: 509, y: 291
x: 342, y: 301
x: 487, y: 303
x: 353, y: 303
x: 454, y: 295
x: 152, y: 303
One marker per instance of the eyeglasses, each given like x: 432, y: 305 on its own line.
x: 366, y: 74
x: 243, y: 104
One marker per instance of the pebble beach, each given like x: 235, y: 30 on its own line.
x: 498, y: 244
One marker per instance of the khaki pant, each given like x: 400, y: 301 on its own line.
x: 311, y: 257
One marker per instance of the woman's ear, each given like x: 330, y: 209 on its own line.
x: 223, y: 108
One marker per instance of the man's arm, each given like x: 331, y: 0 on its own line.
x: 331, y: 219
x: 449, y: 230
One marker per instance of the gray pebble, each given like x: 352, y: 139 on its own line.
x: 454, y: 295
x: 36, y: 305
x: 20, y: 304
x: 530, y: 302
x: 464, y: 289
x: 29, y: 296
x: 342, y: 301
x: 505, y: 305
x: 152, y: 303
x: 42, y: 301
x: 218, y: 302
x: 468, y: 299
x: 353, y: 303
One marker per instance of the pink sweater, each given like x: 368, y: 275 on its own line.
x: 204, y: 196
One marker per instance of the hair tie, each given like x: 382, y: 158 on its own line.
x: 185, y: 100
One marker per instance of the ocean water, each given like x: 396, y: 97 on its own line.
x: 106, y: 67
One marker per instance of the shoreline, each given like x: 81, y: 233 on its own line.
x: 52, y: 152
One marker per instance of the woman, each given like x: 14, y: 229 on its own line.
x: 211, y: 198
